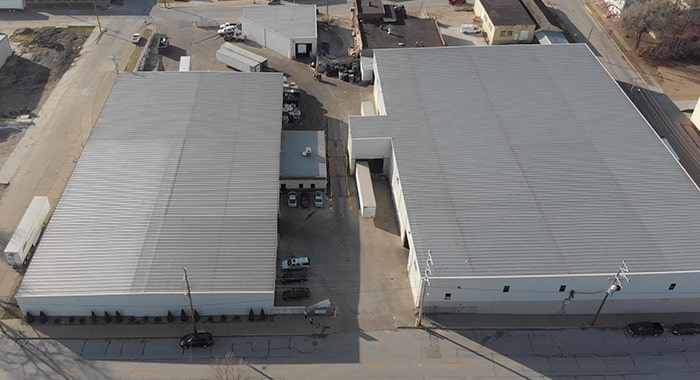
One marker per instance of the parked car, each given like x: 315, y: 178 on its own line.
x: 295, y: 293
x: 200, y: 339
x: 163, y: 42
x: 453, y: 2
x: 645, y: 329
x: 292, y: 199
x: 227, y: 24
x: 227, y: 29
x: 686, y: 329
x: 305, y: 200
x: 293, y: 276
x: 470, y: 29
x: 136, y: 38
x: 318, y: 199
x: 296, y: 263
x: 274, y: 2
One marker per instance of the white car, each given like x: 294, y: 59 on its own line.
x: 227, y: 29
x: 296, y: 263
x: 136, y: 38
x: 318, y: 199
x: 292, y: 199
x: 226, y: 24
x: 470, y: 29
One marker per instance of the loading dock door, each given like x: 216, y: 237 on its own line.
x: 365, y: 190
x: 303, y: 49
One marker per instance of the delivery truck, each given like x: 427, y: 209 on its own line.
x: 13, y: 5
x: 28, y: 231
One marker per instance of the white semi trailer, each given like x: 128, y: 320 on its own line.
x: 12, y: 4
x: 28, y: 231
x: 240, y: 59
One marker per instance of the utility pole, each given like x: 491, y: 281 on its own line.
x: 189, y: 296
x: 94, y: 5
x: 425, y: 282
x: 615, y: 286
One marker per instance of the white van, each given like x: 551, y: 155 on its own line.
x: 470, y: 29
x: 296, y: 263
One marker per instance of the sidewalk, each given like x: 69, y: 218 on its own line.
x: 551, y: 322
x: 272, y: 326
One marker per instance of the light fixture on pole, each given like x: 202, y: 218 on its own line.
x: 615, y: 286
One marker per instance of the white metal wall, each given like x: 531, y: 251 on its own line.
x: 279, y: 43
x: 5, y: 49
x: 253, y: 30
x: 148, y: 304
x: 378, y: 93
x: 645, y: 293
x: 293, y: 184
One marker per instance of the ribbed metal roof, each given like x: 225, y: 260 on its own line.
x: 529, y: 160
x: 295, y: 165
x: 293, y: 21
x: 181, y: 169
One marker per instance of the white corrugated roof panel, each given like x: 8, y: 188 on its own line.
x: 529, y: 160
x: 293, y: 21
x: 181, y: 169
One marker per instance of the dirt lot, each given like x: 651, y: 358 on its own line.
x: 41, y: 57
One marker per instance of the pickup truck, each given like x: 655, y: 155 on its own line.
x: 296, y: 263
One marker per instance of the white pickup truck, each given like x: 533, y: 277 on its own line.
x: 296, y: 263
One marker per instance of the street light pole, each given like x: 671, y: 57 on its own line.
x: 615, y: 286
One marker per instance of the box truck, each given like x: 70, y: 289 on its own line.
x: 28, y: 231
x: 12, y: 4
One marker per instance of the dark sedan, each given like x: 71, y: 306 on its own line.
x: 202, y: 339
x: 686, y: 329
x: 645, y: 329
x: 305, y: 200
x: 293, y: 276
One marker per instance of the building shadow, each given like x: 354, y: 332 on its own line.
x: 572, y: 33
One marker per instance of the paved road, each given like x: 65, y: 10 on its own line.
x: 585, y: 29
x: 396, y: 354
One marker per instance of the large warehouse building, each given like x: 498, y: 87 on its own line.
x: 173, y: 175
x: 521, y: 184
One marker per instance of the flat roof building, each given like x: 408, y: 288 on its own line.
x: 521, y: 187
x: 165, y: 182
x: 289, y: 30
x: 303, y: 163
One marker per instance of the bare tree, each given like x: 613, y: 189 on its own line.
x: 672, y: 26
x: 231, y: 368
